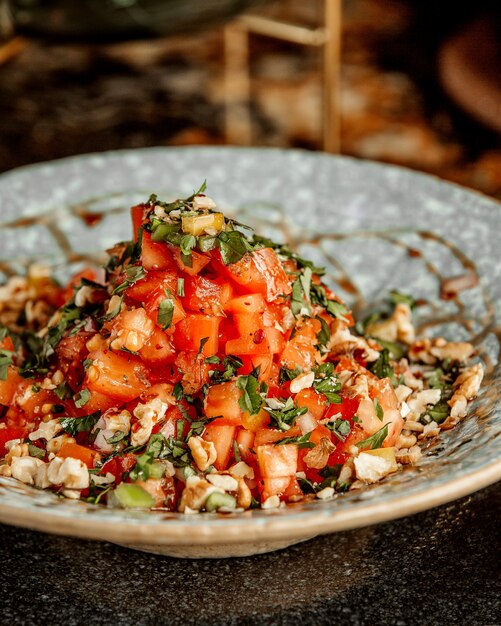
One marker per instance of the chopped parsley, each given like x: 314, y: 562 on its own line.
x: 165, y: 312
x: 251, y: 400
x: 75, y: 425
x: 82, y: 398
x: 301, y: 441
x: 340, y: 428
x: 285, y: 417
x: 376, y: 440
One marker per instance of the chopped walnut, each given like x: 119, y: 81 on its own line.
x: 408, y: 456
x: 244, y: 496
x: 148, y: 415
x: 318, y: 456
x: 419, y: 402
x: 69, y: 473
x: 343, y: 342
x: 223, y: 481
x: 204, y: 452
x: 46, y: 430
x: 370, y: 468
x: 465, y: 388
x: 25, y: 468
x: 405, y: 441
x: 430, y: 351
x: 195, y: 494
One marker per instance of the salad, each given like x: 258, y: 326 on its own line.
x: 206, y: 368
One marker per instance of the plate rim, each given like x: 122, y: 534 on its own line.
x: 321, y: 521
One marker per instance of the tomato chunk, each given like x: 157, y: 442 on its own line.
x: 223, y: 401
x: 76, y: 451
x: 222, y: 436
x: 261, y: 271
x: 118, y: 375
x: 198, y: 332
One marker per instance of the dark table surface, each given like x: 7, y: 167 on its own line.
x: 437, y: 567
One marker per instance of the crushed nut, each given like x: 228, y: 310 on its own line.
x: 203, y: 452
x: 68, y: 473
x: 195, y: 494
x: 408, y: 456
x: 318, y: 456
x: 223, y: 481
x: 370, y: 468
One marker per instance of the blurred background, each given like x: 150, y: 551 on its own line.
x: 406, y: 82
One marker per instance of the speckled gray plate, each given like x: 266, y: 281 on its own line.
x: 376, y: 228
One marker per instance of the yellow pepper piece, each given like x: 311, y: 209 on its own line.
x: 385, y: 453
x: 199, y: 224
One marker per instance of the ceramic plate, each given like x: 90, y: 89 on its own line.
x: 374, y: 226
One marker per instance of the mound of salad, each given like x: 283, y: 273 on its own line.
x: 209, y: 369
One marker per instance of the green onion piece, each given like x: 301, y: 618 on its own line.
x: 130, y: 496
x: 218, y: 500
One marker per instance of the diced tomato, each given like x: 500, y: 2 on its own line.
x: 8, y: 433
x: 277, y: 464
x: 198, y: 332
x: 293, y: 490
x: 252, y: 343
x: 275, y: 339
x: 135, y: 321
x: 250, y: 303
x: 139, y: 213
x: 158, y: 350
x: 118, y: 375
x: 156, y: 256
x: 316, y: 403
x: 141, y: 290
x: 8, y: 387
x: 347, y: 408
x: 118, y: 465
x: 261, y: 272
x: 71, y: 352
x: 245, y: 442
x: 300, y: 350
x: 30, y: 400
x: 270, y: 435
x: 76, y: 451
x: 223, y: 401
x: 97, y: 402
x: 222, y: 436
x: 194, y: 370
x: 206, y: 295
x: 152, y: 306
x: 198, y: 261
x: 263, y: 362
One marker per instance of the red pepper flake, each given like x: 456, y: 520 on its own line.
x: 259, y: 336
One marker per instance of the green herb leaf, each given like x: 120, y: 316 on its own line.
x: 329, y: 387
x: 300, y: 441
x: 133, y: 273
x: 5, y: 360
x: 250, y: 401
x: 382, y: 367
x: 379, y: 409
x: 82, y: 398
x: 376, y: 440
x: 74, y: 425
x: 323, y: 335
x: 286, y: 416
x: 396, y: 297
x: 117, y: 437
x: 340, y: 428
x: 63, y: 391
x: 178, y: 391
x: 203, y: 341
x: 180, y: 287
x: 233, y: 245
x: 439, y: 412
x: 165, y: 313
x: 35, y: 451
